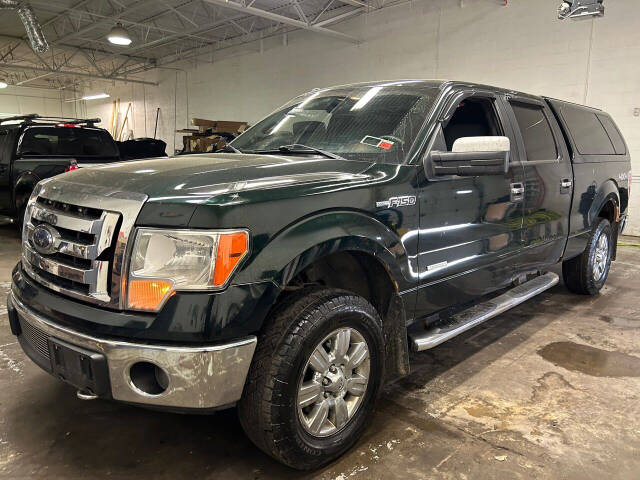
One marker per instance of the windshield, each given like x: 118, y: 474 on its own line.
x: 67, y: 142
x: 377, y: 123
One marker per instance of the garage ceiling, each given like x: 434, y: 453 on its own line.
x: 163, y: 32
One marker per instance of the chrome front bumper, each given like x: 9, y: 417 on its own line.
x: 201, y: 377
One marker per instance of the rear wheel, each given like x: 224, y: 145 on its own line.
x: 314, y: 378
x: 587, y: 273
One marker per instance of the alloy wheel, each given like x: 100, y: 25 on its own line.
x: 334, y: 382
x: 601, y: 257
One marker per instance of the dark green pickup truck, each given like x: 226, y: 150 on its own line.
x: 292, y: 274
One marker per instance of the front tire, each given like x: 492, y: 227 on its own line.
x: 314, y: 379
x: 587, y: 273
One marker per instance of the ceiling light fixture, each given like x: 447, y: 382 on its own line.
x: 119, y: 35
x: 3, y: 84
x: 96, y: 96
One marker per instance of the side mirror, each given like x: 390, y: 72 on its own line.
x: 471, y: 156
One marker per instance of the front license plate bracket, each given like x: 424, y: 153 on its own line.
x: 84, y: 369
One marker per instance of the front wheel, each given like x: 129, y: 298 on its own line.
x: 314, y: 378
x: 587, y: 273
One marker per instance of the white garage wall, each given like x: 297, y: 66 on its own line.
x: 521, y: 46
x: 21, y: 101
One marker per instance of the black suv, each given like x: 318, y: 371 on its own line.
x: 292, y: 273
x: 33, y: 148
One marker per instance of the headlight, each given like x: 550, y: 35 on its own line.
x: 165, y: 261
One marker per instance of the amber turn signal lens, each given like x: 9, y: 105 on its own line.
x: 231, y: 248
x: 148, y: 294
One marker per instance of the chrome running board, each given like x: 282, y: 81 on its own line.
x: 481, y: 312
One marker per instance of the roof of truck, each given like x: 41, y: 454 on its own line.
x: 441, y: 84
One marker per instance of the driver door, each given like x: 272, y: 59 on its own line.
x: 470, y: 226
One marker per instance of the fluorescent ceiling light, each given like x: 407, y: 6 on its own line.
x: 96, y: 96
x: 3, y: 84
x: 372, y: 92
x: 119, y: 36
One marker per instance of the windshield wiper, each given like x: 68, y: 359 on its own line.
x: 229, y: 148
x: 299, y: 148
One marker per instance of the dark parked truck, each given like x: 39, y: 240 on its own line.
x: 292, y: 274
x: 33, y: 148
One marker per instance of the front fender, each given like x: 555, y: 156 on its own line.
x: 322, y: 234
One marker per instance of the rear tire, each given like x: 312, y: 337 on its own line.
x: 587, y: 273
x: 285, y: 374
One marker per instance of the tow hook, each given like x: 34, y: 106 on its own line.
x: 86, y: 395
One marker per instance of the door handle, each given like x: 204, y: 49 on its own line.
x: 517, y: 192
x: 566, y: 183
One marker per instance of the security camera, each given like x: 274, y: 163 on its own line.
x: 580, y: 9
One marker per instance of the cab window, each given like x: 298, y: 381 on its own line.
x: 474, y: 117
x: 67, y: 141
x: 537, y: 136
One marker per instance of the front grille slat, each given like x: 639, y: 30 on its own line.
x: 72, y: 248
x: 65, y: 220
x: 36, y: 338
x: 59, y: 269
x: 68, y: 264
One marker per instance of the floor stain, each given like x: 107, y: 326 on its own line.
x: 621, y: 321
x: 590, y: 360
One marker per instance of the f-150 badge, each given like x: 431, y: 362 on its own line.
x: 397, y: 202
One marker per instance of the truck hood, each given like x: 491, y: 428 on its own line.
x: 197, y: 178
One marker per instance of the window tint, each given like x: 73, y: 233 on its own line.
x: 474, y: 117
x: 614, y: 134
x: 587, y: 131
x: 67, y: 141
x: 536, y: 132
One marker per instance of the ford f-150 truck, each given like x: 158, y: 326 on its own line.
x: 291, y: 274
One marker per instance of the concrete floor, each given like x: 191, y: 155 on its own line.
x: 548, y: 390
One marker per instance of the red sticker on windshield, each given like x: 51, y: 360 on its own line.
x: 377, y: 142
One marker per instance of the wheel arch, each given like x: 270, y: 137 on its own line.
x: 24, y: 185
x: 309, y: 251
x: 606, y: 204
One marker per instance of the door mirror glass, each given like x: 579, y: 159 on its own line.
x: 481, y: 144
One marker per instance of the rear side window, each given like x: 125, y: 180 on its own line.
x: 587, y: 132
x: 67, y: 141
x: 536, y: 132
x: 614, y: 134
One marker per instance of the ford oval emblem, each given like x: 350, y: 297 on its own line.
x: 45, y: 239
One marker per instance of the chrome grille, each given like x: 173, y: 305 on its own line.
x: 76, y: 255
x: 87, y: 229
x: 36, y: 338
